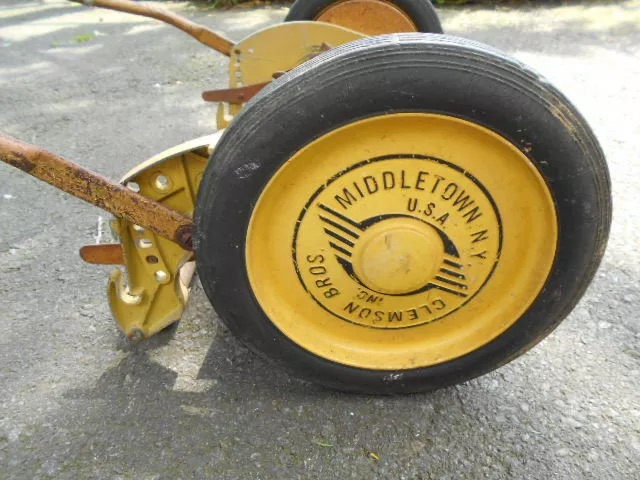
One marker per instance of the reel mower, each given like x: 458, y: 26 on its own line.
x: 381, y: 214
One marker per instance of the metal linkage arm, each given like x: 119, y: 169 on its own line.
x: 197, y: 31
x: 98, y: 190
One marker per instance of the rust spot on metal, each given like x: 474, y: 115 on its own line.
x: 135, y: 335
x: 234, y: 95
x: 106, y: 254
x: 317, y: 50
x: 184, y: 237
x: 18, y: 160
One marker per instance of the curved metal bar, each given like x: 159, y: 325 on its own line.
x: 97, y: 190
x: 199, y: 32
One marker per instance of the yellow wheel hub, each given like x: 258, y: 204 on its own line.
x: 401, y: 241
x: 397, y: 256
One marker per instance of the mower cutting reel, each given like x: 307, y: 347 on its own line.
x: 400, y: 212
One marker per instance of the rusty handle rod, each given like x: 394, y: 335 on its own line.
x: 197, y: 31
x: 97, y: 190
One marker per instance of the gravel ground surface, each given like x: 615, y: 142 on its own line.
x: 109, y: 90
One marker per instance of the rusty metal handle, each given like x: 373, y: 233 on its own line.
x: 197, y: 31
x: 106, y: 194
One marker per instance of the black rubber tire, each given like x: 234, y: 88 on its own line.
x: 421, y: 12
x: 403, y: 73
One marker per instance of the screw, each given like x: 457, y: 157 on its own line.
x: 162, y: 183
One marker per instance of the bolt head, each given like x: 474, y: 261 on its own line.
x: 162, y: 183
x: 161, y: 276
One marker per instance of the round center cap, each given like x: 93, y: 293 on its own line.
x: 398, y: 256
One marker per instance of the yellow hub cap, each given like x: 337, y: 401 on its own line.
x: 397, y: 256
x: 401, y: 241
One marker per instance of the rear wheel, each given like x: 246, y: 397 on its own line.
x: 416, y: 228
x: 371, y: 17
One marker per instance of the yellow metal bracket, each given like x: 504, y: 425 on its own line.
x: 276, y: 49
x: 152, y: 290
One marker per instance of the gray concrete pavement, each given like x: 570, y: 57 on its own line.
x: 109, y: 90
